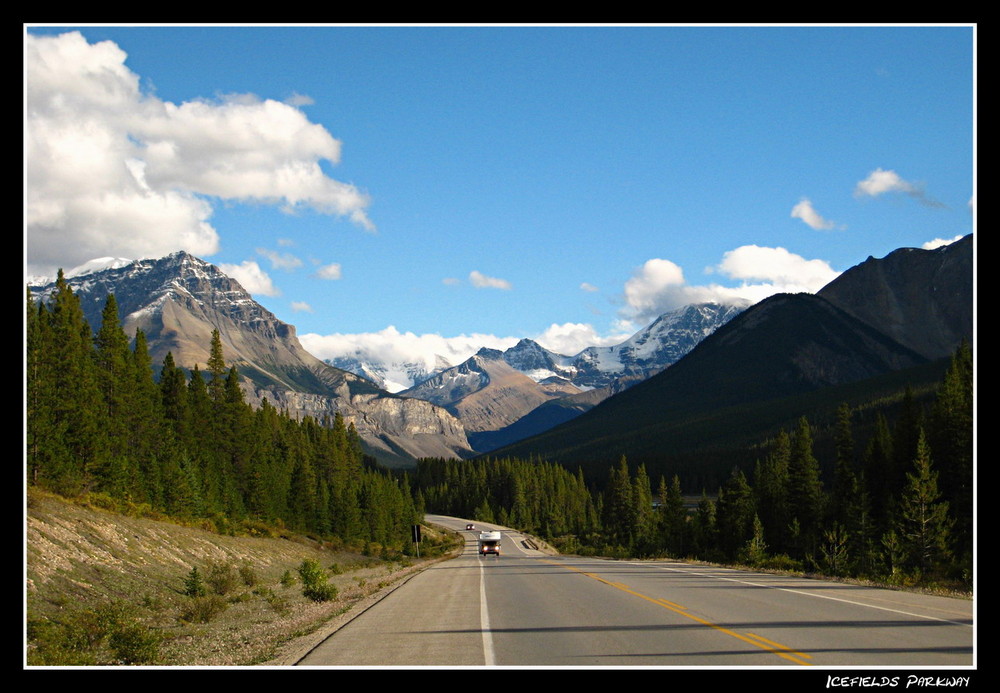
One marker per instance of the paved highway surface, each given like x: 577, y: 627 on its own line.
x: 526, y: 608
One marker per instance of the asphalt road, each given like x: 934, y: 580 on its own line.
x: 526, y: 608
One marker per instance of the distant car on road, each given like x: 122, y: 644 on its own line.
x: 470, y: 526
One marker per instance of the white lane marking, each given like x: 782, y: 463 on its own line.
x: 484, y: 619
x: 812, y: 594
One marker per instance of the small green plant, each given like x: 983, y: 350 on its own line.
x: 194, y: 586
x: 134, y: 643
x: 222, y: 577
x: 287, y: 579
x: 110, y: 634
x: 248, y: 575
x: 203, y: 609
x: 314, y: 582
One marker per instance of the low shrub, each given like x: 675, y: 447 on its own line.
x: 203, y: 609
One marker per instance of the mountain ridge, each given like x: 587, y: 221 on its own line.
x: 179, y: 300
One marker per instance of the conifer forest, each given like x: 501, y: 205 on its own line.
x: 102, y: 419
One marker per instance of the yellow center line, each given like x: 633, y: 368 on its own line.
x: 779, y: 646
x: 755, y: 640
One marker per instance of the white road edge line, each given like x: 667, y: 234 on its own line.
x: 817, y: 596
x: 484, y: 619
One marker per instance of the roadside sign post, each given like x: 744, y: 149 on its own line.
x: 415, y: 531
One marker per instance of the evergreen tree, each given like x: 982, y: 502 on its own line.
x: 924, y: 522
x: 844, y: 499
x: 950, y: 436
x: 771, y: 493
x: 805, y: 491
x: 71, y: 446
x: 734, y: 514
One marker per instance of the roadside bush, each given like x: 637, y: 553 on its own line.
x: 203, y: 609
x: 248, y: 575
x: 134, y: 643
x: 222, y: 577
x: 85, y: 637
x: 314, y: 582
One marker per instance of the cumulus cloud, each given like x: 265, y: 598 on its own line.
x: 301, y: 307
x: 570, y: 338
x: 112, y: 170
x: 657, y: 282
x: 777, y: 266
x: 807, y: 213
x: 481, y: 281
x: 881, y: 182
x: 585, y: 286
x: 251, y: 277
x: 659, y: 285
x: 396, y: 349
x: 451, y: 281
x: 331, y: 271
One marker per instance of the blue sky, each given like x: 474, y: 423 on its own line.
x: 438, y: 188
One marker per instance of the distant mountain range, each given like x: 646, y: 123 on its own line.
x: 879, y: 317
x: 502, y: 396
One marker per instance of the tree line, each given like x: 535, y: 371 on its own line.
x: 188, y: 445
x: 897, y: 506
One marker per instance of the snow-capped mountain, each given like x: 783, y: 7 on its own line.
x: 653, y: 348
x: 394, y: 376
x: 648, y: 351
x: 486, y: 393
x: 494, y: 390
x: 177, y: 301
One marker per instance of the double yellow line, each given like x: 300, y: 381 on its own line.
x: 751, y: 638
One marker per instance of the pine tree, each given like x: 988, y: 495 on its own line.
x: 924, y: 522
x: 805, y: 491
x: 844, y: 498
x: 734, y: 513
x: 68, y: 401
x: 771, y: 493
x: 216, y: 369
x: 950, y: 436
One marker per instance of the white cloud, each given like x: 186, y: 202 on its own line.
x: 656, y: 282
x: 571, y: 338
x: 112, y: 170
x: 585, y: 286
x: 881, y: 182
x: 777, y: 266
x: 297, y: 100
x: 807, y: 213
x: 940, y: 242
x: 659, y: 285
x: 481, y: 281
x: 251, y: 277
x: 451, y: 281
x: 331, y: 271
x: 285, y: 261
x: 301, y: 307
x: 392, y: 346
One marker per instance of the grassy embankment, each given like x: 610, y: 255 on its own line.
x: 105, y: 588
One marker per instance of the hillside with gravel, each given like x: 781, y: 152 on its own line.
x: 104, y: 588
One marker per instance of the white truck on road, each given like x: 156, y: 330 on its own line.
x: 489, y: 543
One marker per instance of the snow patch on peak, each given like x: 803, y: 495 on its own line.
x: 97, y: 265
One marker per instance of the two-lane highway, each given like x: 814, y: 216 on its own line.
x: 529, y: 609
